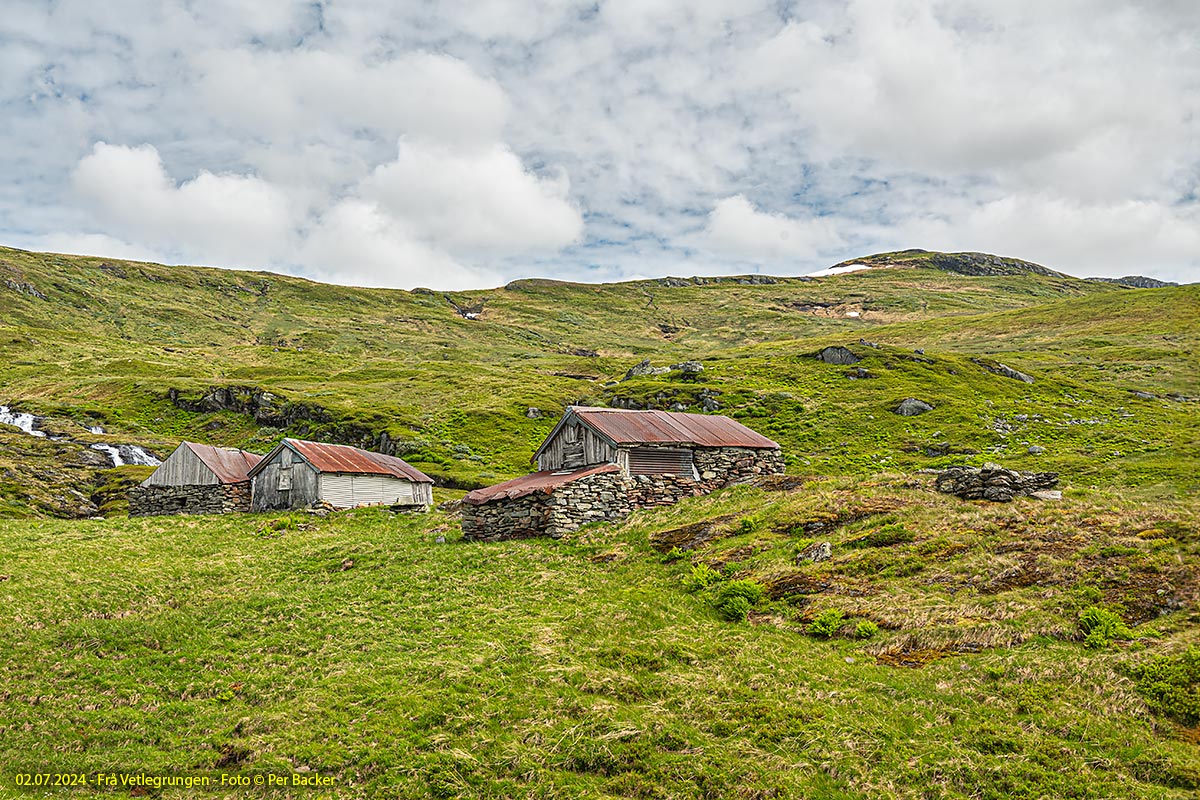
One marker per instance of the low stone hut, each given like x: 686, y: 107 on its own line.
x: 602, y: 463
x: 299, y: 474
x: 196, y: 479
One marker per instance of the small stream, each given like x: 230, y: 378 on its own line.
x: 26, y: 422
x: 118, y: 454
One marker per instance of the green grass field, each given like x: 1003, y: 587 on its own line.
x: 356, y: 647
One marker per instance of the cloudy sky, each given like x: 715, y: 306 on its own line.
x: 464, y: 143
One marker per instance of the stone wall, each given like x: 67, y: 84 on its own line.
x: 591, y: 499
x: 507, y: 518
x: 993, y: 482
x: 613, y: 495
x: 221, y: 498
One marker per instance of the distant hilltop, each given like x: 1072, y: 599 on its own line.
x: 1136, y: 281
x: 979, y: 264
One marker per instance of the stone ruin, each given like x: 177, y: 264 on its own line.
x: 993, y: 482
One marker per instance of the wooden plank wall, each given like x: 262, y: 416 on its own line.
x: 182, y: 468
x: 574, y: 446
x: 305, y: 491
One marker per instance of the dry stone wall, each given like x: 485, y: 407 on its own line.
x: 507, y: 518
x: 222, y: 498
x: 591, y: 499
x: 612, y: 495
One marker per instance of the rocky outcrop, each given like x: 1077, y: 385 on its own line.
x: 1135, y: 282
x: 271, y: 410
x: 911, y: 407
x: 643, y: 368
x: 266, y: 408
x: 25, y: 288
x: 992, y: 482
x: 741, y: 280
x: 815, y: 553
x: 996, y: 368
x: 838, y: 355
x: 689, y: 367
x: 222, y: 498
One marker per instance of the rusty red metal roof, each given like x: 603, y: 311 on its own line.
x: 669, y: 427
x: 546, y: 481
x: 346, y: 459
x: 228, y: 464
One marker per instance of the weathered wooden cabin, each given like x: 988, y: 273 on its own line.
x: 196, y: 479
x: 650, y: 442
x: 602, y: 463
x: 298, y: 474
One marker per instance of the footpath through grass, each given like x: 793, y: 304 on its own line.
x: 358, y: 648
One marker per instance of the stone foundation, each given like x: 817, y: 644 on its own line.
x: 221, y: 498
x: 595, y: 498
x: 519, y: 518
x: 612, y: 495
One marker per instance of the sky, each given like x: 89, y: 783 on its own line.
x: 462, y: 144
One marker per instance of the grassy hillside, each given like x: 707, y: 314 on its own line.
x: 947, y: 649
x: 449, y: 378
x: 359, y: 649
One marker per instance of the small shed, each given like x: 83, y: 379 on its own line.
x: 298, y: 474
x: 196, y: 479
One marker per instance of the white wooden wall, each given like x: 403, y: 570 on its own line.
x: 349, y: 491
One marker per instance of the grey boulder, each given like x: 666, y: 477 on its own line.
x: 911, y: 407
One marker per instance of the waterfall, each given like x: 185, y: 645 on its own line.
x: 114, y: 455
x: 120, y: 455
x: 136, y: 455
x: 26, y: 422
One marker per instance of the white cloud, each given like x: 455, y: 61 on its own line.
x: 1062, y: 132
x: 299, y: 93
x: 85, y: 244
x: 1082, y: 239
x: 738, y: 230
x: 357, y: 243
x: 997, y: 86
x: 232, y: 219
x: 479, y: 201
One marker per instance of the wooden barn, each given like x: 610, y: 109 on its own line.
x: 602, y: 463
x: 196, y: 479
x: 298, y: 474
x: 651, y: 443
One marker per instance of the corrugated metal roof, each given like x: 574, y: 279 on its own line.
x: 670, y: 427
x: 228, y: 464
x: 346, y: 459
x: 546, y: 481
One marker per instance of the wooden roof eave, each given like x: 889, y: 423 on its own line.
x: 567, y: 415
x: 261, y: 465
